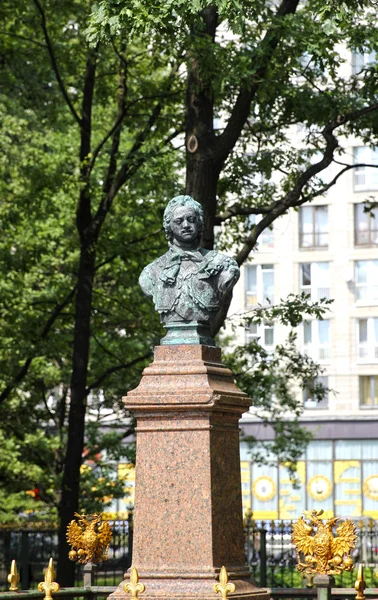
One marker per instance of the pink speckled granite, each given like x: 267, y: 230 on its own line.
x: 188, y: 508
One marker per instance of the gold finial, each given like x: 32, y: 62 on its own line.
x: 322, y: 553
x: 49, y: 585
x: 248, y: 516
x: 310, y: 580
x: 360, y: 584
x: 224, y: 587
x: 89, y: 538
x: 134, y: 587
x: 13, y: 577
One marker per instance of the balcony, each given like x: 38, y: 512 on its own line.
x: 313, y: 240
x: 316, y: 293
x: 366, y: 293
x: 252, y: 299
x: 318, y: 353
x: 367, y: 353
x: 366, y: 237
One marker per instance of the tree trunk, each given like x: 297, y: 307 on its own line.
x: 202, y: 171
x: 69, y: 503
x: 201, y: 183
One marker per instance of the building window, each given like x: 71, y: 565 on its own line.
x: 263, y: 334
x: 266, y: 237
x: 314, y: 280
x: 367, y: 281
x: 313, y: 227
x: 360, y: 60
x: 369, y: 390
x: 367, y: 339
x: 316, y: 339
x: 259, y: 285
x: 365, y: 226
x: 309, y: 393
x: 365, y: 178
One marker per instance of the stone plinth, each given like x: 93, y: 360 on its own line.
x: 188, y: 507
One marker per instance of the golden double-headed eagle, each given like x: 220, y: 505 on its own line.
x: 89, y: 539
x: 322, y: 553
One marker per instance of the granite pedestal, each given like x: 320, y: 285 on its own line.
x: 188, y: 508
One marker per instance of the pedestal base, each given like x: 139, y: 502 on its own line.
x: 188, y: 506
x: 187, y: 588
x: 187, y: 333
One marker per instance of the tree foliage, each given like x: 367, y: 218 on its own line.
x: 107, y: 110
x: 75, y: 327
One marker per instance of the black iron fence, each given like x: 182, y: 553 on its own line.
x: 32, y: 546
x: 269, y: 553
x: 272, y: 560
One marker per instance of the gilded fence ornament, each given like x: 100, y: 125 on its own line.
x: 134, y: 587
x: 49, y: 585
x: 360, y: 584
x: 321, y: 552
x: 310, y: 580
x: 224, y: 587
x: 13, y: 577
x: 89, y: 539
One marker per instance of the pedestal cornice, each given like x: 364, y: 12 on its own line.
x: 186, y: 376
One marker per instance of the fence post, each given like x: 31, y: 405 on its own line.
x: 263, y: 556
x: 130, y: 539
x: 88, y: 579
x: 324, y: 584
x: 249, y: 543
x: 24, y: 568
x: 89, y: 570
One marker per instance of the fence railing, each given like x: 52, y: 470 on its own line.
x: 32, y: 546
x: 269, y: 553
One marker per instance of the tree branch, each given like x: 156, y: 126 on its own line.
x: 131, y: 243
x: 106, y: 351
x: 83, y: 210
x: 325, y: 188
x: 115, y: 369
x: 118, y: 122
x: 292, y: 198
x: 100, y: 146
x: 236, y: 210
x: 54, y: 63
x: 24, y: 38
x: 318, y: 89
x: 353, y: 116
x: 121, y: 97
x: 130, y: 165
x: 86, y: 110
x: 239, y: 115
x: 25, y: 367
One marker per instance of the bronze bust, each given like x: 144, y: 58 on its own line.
x: 188, y: 283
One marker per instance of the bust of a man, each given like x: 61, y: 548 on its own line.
x: 188, y: 283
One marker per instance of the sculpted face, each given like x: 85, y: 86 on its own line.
x: 185, y: 227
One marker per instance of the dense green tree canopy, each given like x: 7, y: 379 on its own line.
x: 108, y: 110
x: 42, y: 172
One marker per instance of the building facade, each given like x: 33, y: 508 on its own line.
x: 328, y: 249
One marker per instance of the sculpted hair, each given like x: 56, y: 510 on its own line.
x: 171, y: 207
